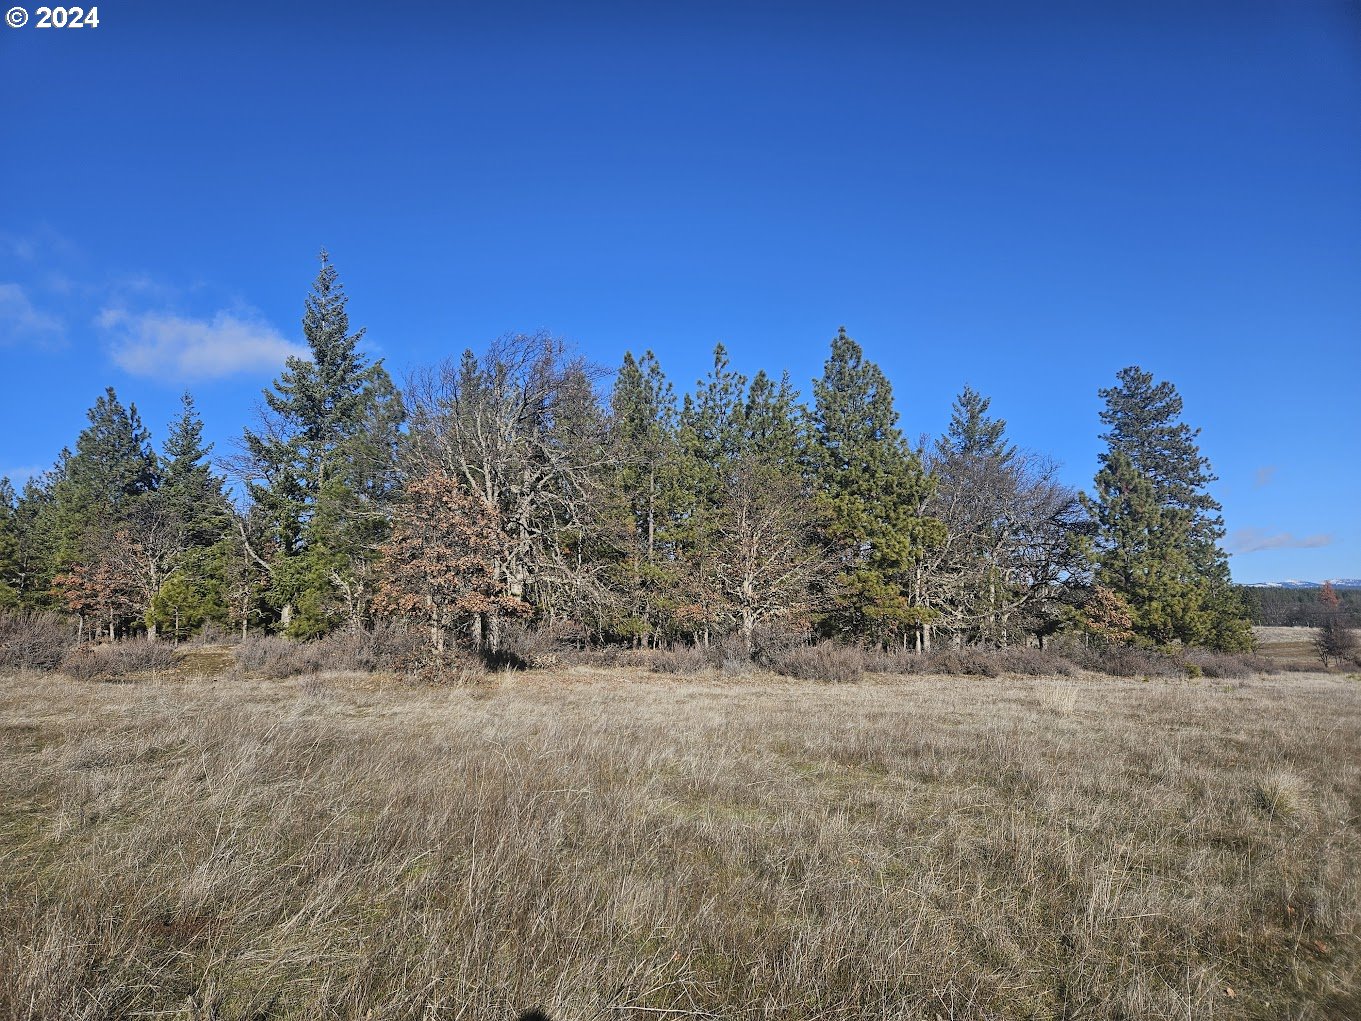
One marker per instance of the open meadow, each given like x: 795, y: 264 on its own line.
x: 612, y: 844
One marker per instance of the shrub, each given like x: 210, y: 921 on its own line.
x: 1130, y: 661
x: 609, y: 656
x: 825, y: 661
x: 682, y: 659
x: 526, y: 648
x: 264, y: 654
x: 454, y: 667
x: 771, y: 641
x: 967, y: 661
x: 34, y: 639
x: 1022, y: 659
x: 732, y: 656
x: 1206, y: 663
x: 896, y: 660
x: 390, y: 646
x: 117, y: 660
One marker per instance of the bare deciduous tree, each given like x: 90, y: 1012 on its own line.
x: 520, y: 429
x: 769, y: 563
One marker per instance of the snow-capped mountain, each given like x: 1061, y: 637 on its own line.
x: 1293, y: 583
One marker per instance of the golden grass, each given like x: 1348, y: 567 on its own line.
x: 616, y: 846
x: 1290, y: 648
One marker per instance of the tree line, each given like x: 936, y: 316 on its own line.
x: 1307, y: 607
x: 510, y: 489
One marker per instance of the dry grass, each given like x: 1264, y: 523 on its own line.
x: 616, y: 845
x: 1288, y: 647
x: 1291, y: 648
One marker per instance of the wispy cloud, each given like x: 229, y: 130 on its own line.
x: 163, y: 345
x: 1253, y: 540
x: 21, y: 322
x: 1265, y: 475
x: 39, y: 245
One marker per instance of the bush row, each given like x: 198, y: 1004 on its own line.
x: 117, y: 660
x: 47, y: 641
x: 389, y: 647
x: 827, y: 661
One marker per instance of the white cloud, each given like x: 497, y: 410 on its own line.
x: 1253, y: 540
x: 21, y: 322
x: 167, y: 346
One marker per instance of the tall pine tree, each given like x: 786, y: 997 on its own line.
x: 1158, y: 528
x: 645, y: 483
x: 875, y: 488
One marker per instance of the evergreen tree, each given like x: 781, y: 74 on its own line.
x: 106, y: 480
x: 774, y: 425
x: 181, y: 531
x: 190, y: 494
x: 37, y: 539
x: 711, y: 431
x: 875, y: 489
x: 9, y: 544
x: 1158, y: 529
x: 322, y: 467
x: 709, y: 436
x: 643, y: 484
x: 972, y: 434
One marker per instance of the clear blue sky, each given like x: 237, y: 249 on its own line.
x: 1023, y: 197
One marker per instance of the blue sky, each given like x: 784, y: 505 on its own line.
x: 1022, y: 197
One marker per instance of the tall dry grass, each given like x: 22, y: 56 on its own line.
x: 625, y: 846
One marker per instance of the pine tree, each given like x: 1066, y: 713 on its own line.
x: 875, y: 489
x: 643, y: 483
x: 1158, y: 529
x: 322, y: 467
x: 712, y: 426
x: 774, y: 425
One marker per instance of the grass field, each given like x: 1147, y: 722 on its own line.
x: 618, y: 846
x: 1288, y: 648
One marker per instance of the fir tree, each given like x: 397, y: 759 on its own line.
x: 322, y: 466
x: 37, y: 538
x: 1158, y: 528
x: 190, y: 494
x: 9, y: 544
x: 110, y: 474
x: 972, y: 435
